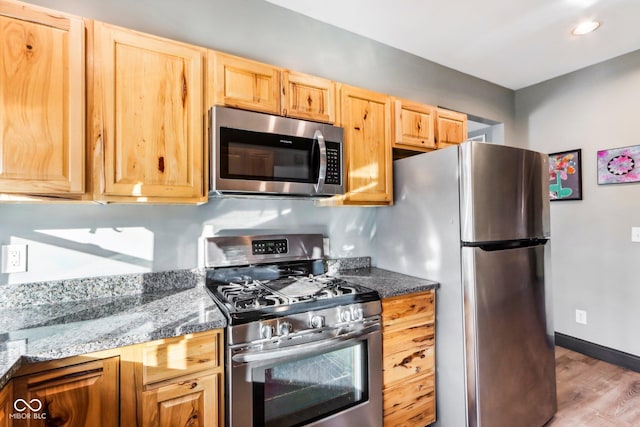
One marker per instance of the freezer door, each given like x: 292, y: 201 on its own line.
x: 503, y: 193
x: 510, y: 357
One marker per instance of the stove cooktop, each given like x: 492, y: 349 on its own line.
x: 244, y: 298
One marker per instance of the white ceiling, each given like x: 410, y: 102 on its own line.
x: 513, y: 43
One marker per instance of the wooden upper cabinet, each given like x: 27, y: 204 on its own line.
x: 366, y: 119
x: 451, y: 127
x: 148, y: 117
x: 246, y: 84
x: 413, y: 126
x: 42, y: 101
x: 77, y: 395
x: 308, y: 97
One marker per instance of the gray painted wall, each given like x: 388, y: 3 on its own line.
x: 71, y: 241
x: 84, y: 240
x: 594, y: 261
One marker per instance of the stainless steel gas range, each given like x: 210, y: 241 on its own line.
x: 303, y: 348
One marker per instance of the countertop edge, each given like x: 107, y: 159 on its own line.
x: 101, y: 345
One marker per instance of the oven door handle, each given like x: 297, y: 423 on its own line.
x: 304, y: 349
x: 322, y: 170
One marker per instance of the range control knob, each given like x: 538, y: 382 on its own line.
x: 345, y: 316
x: 266, y: 331
x: 284, y: 329
x: 317, y: 321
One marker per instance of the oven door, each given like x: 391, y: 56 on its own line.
x: 329, y: 383
x: 258, y: 153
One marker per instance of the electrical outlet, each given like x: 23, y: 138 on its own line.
x: 581, y: 317
x: 635, y: 234
x: 14, y: 258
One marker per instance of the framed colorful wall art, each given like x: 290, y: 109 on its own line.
x: 618, y: 165
x: 565, y: 175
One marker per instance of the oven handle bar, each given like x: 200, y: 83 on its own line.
x: 303, y: 349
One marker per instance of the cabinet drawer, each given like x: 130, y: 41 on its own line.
x: 403, y: 310
x: 180, y: 356
x: 405, y: 364
x: 411, y: 403
x: 411, y: 338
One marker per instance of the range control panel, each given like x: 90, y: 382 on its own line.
x: 268, y: 247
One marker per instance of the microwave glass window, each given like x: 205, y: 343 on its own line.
x: 267, y: 157
x: 295, y: 393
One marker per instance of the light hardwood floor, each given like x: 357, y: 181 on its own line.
x: 593, y: 393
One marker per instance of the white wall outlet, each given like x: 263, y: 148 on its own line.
x: 581, y: 317
x: 14, y: 258
x: 635, y: 234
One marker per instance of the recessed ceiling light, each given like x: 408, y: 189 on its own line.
x: 585, y: 28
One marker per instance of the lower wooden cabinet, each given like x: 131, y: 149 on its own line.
x: 191, y: 402
x: 408, y: 359
x: 85, y: 394
x: 6, y: 405
x: 174, y: 382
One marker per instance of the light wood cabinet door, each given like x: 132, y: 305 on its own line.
x: 246, y: 84
x: 174, y: 381
x: 74, y: 396
x: 366, y: 119
x: 6, y: 405
x: 42, y: 101
x: 149, y: 117
x: 413, y: 126
x: 451, y: 127
x: 408, y: 359
x: 308, y: 97
x: 191, y: 402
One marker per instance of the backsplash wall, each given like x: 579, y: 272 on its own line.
x: 74, y: 241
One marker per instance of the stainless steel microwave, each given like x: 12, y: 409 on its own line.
x: 261, y: 154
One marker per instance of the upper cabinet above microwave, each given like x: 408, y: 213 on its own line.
x: 251, y: 85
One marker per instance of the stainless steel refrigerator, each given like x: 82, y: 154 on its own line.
x: 475, y: 217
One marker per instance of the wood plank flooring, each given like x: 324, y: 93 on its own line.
x: 593, y: 393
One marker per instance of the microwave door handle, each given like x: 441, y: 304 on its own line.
x: 322, y: 171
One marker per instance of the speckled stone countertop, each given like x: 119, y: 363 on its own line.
x: 167, y: 305
x: 387, y: 283
x: 53, y: 320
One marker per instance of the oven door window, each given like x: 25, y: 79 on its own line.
x: 267, y: 157
x: 294, y: 393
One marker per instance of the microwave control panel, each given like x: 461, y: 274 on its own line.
x: 333, y: 164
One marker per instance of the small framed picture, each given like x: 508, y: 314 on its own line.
x: 619, y: 165
x: 565, y: 175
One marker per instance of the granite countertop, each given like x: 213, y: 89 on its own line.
x: 53, y: 320
x: 387, y: 283
x: 32, y: 333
